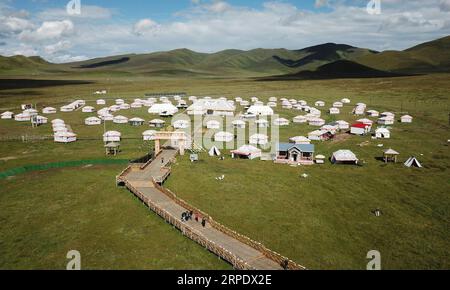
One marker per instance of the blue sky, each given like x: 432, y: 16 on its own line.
x: 113, y: 27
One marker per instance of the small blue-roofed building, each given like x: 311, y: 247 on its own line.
x: 295, y: 153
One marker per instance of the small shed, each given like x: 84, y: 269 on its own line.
x: 360, y: 129
x: 7, y: 115
x: 320, y: 159
x: 382, y: 133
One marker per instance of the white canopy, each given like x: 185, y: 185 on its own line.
x: 214, y: 151
x: 163, y: 108
x: 260, y: 110
x: 413, y: 162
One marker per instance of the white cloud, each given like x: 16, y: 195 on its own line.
x: 87, y: 12
x: 49, y: 30
x: 146, y: 26
x: 62, y: 45
x: 25, y: 50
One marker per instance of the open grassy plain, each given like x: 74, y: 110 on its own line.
x: 322, y: 222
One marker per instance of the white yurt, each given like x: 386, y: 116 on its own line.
x: 112, y: 136
x: 345, y: 101
x: 136, y: 105
x: 22, y: 117
x: 120, y: 120
x: 57, y: 121
x: 92, y: 121
x: 344, y: 157
x: 88, y: 109
x: 107, y: 117
x: 239, y: 124
x: 300, y: 119
x: 244, y: 103
x: 60, y: 129
x: 382, y: 133
x: 101, y: 102
x: 273, y: 99
x: 7, y: 115
x: 386, y: 121
x: 67, y: 109
x: 338, y: 104
x: 31, y: 112
x: 246, y: 151
x: 260, y: 110
x: 149, y: 135
x: 259, y: 139
x: 49, y: 110
x: 157, y: 123
x: 181, y: 124
x: 316, y: 122
x: 272, y: 104
x: 320, y: 104
x: 262, y: 123
x: 365, y: 121
x: 114, y: 108
x: 163, y: 109
x: 373, y: 113
x: 136, y: 122
x: 299, y: 140
x: 120, y: 102
x: 40, y: 120
x: 213, y: 124
x: 406, y: 119
x: 65, y: 137
x: 125, y: 106
x: 343, y: 124
x: 334, y: 111
x: 223, y: 137
x: 281, y: 122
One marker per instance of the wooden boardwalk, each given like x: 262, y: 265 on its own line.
x: 240, y: 251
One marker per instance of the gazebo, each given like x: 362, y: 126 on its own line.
x: 390, y: 155
x: 112, y: 148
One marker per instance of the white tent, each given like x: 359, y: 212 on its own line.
x: 136, y: 122
x: 338, y: 104
x: 120, y: 101
x: 107, y: 117
x: 58, y: 121
x: 101, y: 102
x: 334, y: 111
x: 65, y: 137
x: 88, y: 109
x: 300, y: 140
x: 373, y: 113
x: 157, y: 123
x: 382, y: 133
x: 300, y: 119
x: 181, y: 124
x: 67, y: 109
x: 213, y: 124
x: 7, y: 115
x: 214, y: 151
x: 344, y: 156
x: 273, y: 99
x: 272, y: 104
x: 281, y: 122
x: 49, y: 110
x: 92, y: 121
x: 223, y: 137
x: 239, y: 124
x: 125, y: 106
x: 343, y: 124
x: 247, y: 151
x: 262, y: 123
x: 413, y: 162
x: 112, y: 136
x: 120, y: 120
x: 320, y: 104
x: 316, y: 122
x: 346, y: 101
x: 22, y: 117
x: 406, y: 119
x: 39, y: 120
x: 260, y: 110
x: 166, y: 109
x: 114, y: 108
x: 149, y: 135
x: 208, y: 106
x: 259, y: 139
x: 386, y: 120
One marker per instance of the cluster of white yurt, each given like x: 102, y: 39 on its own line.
x: 73, y: 106
x: 61, y: 133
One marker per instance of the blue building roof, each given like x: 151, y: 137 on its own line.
x: 307, y: 148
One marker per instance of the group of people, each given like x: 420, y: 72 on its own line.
x: 188, y: 215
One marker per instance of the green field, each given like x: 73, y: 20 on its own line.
x: 321, y: 222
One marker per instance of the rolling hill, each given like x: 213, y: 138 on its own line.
x: 325, y: 60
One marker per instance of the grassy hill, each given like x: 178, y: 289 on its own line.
x: 428, y: 57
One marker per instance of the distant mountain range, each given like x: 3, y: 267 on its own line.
x: 324, y: 61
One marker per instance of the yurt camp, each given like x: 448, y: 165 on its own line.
x: 223, y: 137
x: 92, y: 121
x: 112, y: 136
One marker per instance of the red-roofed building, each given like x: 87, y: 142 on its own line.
x: 360, y: 129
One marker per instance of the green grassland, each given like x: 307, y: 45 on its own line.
x: 322, y: 222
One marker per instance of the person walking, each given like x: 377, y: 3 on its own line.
x: 203, y: 223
